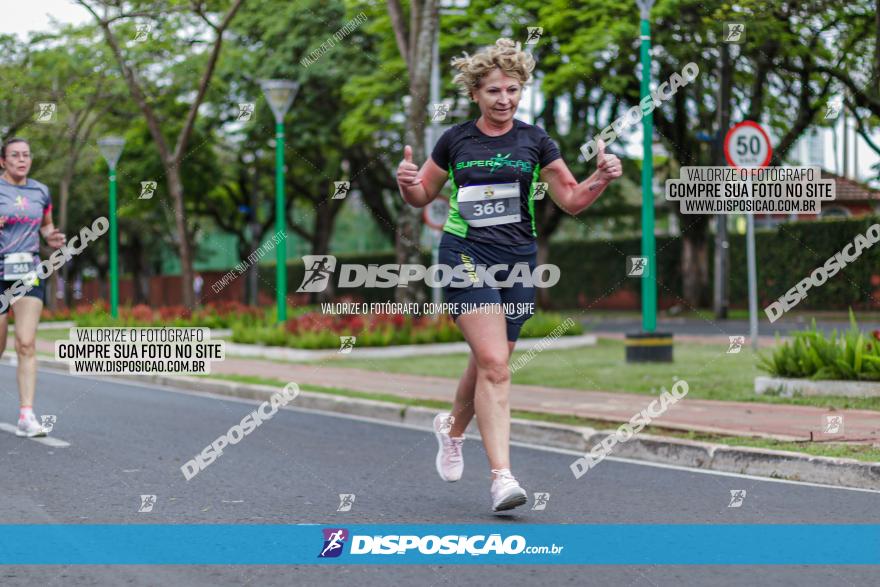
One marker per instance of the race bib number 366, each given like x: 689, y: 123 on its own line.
x: 489, y: 205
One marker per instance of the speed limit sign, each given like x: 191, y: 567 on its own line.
x: 747, y: 145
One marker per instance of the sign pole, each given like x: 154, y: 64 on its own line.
x: 747, y: 146
x: 648, y: 345
x: 111, y: 149
x: 649, y: 283
x: 753, y: 272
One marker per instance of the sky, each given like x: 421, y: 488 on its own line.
x: 36, y: 15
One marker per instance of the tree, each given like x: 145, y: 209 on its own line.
x: 273, y: 40
x: 600, y: 45
x: 172, y: 152
x: 415, y: 43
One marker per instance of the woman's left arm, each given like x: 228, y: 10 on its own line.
x: 574, y: 197
x: 54, y: 237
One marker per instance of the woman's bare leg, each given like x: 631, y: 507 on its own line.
x: 486, y: 333
x: 4, y: 329
x: 463, y: 406
x: 27, y: 316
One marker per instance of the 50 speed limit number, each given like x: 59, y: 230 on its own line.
x: 747, y: 145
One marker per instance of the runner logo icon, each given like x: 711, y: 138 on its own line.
x: 245, y: 111
x: 45, y: 112
x: 540, y: 501
x: 736, y: 344
x: 147, y: 503
x: 535, y: 33
x: 340, y: 189
x: 48, y: 422
x: 541, y: 188
x: 346, y: 500
x: 440, y: 111
x: 346, y: 344
x: 833, y: 424
x: 148, y: 188
x: 334, y: 540
x: 636, y: 266
x: 319, y: 268
x: 737, y: 496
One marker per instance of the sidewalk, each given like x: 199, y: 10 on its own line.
x: 781, y: 422
x: 253, y: 351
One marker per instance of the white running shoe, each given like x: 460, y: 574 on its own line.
x: 30, y: 427
x: 449, y: 461
x: 506, y: 492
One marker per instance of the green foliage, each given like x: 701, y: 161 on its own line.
x: 849, y: 355
x: 793, y: 251
x: 543, y: 323
x: 593, y: 270
x: 789, y: 253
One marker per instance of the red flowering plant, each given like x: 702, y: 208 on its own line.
x: 141, y: 314
x: 319, y: 330
x: 58, y: 314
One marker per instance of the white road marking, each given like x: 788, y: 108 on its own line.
x: 208, y: 395
x: 47, y: 440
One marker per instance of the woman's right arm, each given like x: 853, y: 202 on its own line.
x: 419, y: 187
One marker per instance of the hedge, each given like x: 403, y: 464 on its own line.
x: 790, y: 252
x: 595, y: 269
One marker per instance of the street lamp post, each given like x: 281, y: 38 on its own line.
x: 648, y: 345
x: 649, y: 283
x: 280, y: 95
x: 111, y: 149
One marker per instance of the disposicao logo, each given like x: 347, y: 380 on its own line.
x: 334, y: 540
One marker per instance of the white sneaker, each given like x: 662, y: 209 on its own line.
x: 449, y: 462
x: 30, y: 427
x: 506, y: 492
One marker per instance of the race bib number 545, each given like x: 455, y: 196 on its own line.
x: 18, y: 266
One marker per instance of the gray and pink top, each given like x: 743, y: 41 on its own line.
x: 22, y: 208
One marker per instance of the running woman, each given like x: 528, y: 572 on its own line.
x: 25, y: 213
x: 494, y: 164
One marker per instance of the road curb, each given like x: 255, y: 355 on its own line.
x: 644, y: 447
x: 788, y: 387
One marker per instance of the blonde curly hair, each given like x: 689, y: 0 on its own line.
x: 504, y: 54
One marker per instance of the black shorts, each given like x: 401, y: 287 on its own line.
x: 517, y: 299
x: 37, y: 291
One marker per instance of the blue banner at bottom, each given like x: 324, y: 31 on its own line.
x: 600, y: 544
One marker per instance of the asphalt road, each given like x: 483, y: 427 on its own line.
x: 126, y: 440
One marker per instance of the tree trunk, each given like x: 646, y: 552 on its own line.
x: 252, y: 285
x: 140, y: 269
x: 64, y: 197
x: 184, y: 247
x: 252, y: 271
x: 876, y: 77
x: 425, y: 15
x: 695, y: 262
x: 321, y: 235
